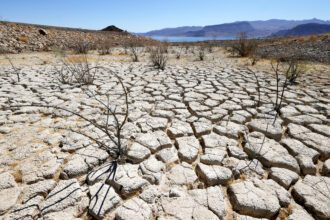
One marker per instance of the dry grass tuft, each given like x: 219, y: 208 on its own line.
x: 23, y: 39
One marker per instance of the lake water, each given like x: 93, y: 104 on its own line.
x: 189, y: 39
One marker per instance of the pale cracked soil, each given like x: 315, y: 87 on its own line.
x: 198, y: 146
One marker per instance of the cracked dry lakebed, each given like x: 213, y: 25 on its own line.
x: 197, y: 144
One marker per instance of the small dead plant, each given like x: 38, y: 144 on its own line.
x: 104, y: 47
x: 14, y: 69
x: 297, y: 69
x: 135, y: 51
x: 158, y: 57
x: 201, y: 53
x: 76, y: 72
x: 81, y: 46
x: 243, y: 46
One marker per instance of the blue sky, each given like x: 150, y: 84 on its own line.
x: 145, y: 15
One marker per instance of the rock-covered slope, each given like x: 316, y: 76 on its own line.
x: 18, y: 37
x: 309, y: 48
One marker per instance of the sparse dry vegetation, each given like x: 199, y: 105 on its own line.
x: 81, y: 46
x: 201, y: 53
x: 14, y: 69
x: 158, y: 57
x: 243, y: 46
x: 298, y: 68
x: 104, y: 47
x: 135, y: 51
x: 80, y: 71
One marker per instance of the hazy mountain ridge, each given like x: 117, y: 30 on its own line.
x: 228, y: 29
x: 252, y: 28
x: 305, y: 29
x: 172, y: 31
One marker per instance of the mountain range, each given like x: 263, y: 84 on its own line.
x: 273, y: 27
x: 305, y: 29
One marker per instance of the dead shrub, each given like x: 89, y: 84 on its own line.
x: 158, y: 57
x: 14, y: 70
x: 178, y: 53
x: 286, y: 70
x: 105, y: 132
x: 80, y: 71
x: 243, y: 47
x: 135, y: 50
x: 209, y: 46
x: 187, y: 49
x: 58, y: 51
x: 201, y: 53
x: 104, y: 47
x: 297, y: 69
x: 81, y: 47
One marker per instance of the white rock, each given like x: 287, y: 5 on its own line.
x: 154, y: 140
x: 66, y: 193
x: 270, y: 152
x: 7, y: 181
x: 267, y: 127
x: 103, y: 200
x: 152, y: 170
x: 134, y: 209
x: 8, y: 199
x: 182, y: 174
x: 188, y: 148
x: 137, y: 153
x: 284, y: 177
x: 247, y: 199
x: 313, y: 193
x: 168, y: 155
x: 213, y: 175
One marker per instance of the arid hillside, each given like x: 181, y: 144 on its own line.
x: 18, y: 37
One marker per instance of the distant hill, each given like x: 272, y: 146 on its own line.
x: 230, y: 29
x: 112, y: 28
x: 179, y: 31
x: 275, y: 25
x: 304, y: 29
x: 252, y: 28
